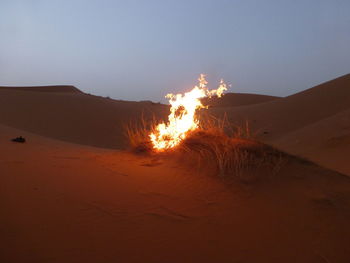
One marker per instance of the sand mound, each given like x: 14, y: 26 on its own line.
x: 53, y: 88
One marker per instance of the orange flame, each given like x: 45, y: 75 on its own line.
x: 182, y: 118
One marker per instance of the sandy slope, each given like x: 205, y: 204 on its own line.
x: 74, y: 117
x: 67, y: 203
x: 327, y: 142
x: 281, y: 116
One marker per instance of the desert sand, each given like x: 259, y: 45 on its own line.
x: 72, y: 193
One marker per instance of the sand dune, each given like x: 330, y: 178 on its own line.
x: 65, y: 113
x: 53, y: 88
x: 280, y: 116
x: 74, y: 117
x: 64, y: 202
x: 237, y: 99
x: 290, y: 123
x: 327, y: 142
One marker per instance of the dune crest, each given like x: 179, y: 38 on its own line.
x: 237, y: 99
x: 51, y: 88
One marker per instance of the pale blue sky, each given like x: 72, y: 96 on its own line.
x: 144, y: 49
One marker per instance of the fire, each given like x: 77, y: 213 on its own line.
x: 182, y: 118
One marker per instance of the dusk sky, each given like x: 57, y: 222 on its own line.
x: 142, y: 50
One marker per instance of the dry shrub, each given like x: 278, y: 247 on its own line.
x: 137, y: 134
x: 216, y: 146
x: 212, y: 123
x: 241, y: 158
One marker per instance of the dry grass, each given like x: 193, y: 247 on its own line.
x: 240, y: 158
x: 216, y: 146
x: 137, y: 134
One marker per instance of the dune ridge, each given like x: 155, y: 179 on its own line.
x: 50, y: 88
x: 237, y: 99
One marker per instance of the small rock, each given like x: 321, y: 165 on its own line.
x: 19, y: 139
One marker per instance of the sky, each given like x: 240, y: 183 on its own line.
x: 144, y: 49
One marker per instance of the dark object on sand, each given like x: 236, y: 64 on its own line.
x: 19, y: 139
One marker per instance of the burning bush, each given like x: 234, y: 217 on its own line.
x: 182, y: 118
x: 210, y: 148
x: 212, y: 142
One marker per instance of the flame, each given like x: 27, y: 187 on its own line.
x: 182, y: 118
